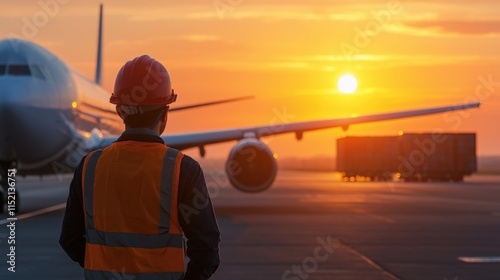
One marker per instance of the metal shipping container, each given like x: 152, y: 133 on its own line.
x: 413, y: 157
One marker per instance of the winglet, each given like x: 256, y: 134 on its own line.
x: 98, y: 73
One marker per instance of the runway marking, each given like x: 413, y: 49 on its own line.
x: 372, y: 263
x: 36, y: 213
x: 492, y: 259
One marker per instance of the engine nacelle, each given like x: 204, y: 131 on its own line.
x: 251, y: 166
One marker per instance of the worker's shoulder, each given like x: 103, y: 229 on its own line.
x: 189, y: 163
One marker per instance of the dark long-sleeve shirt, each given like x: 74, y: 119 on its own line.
x: 196, y: 217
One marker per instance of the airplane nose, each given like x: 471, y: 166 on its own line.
x: 6, y: 147
x: 34, y: 127
x: 11, y: 93
x: 33, y: 130
x: 8, y: 103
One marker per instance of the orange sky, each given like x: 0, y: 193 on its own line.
x: 405, y: 54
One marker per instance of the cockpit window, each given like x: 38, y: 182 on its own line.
x: 38, y: 72
x: 19, y: 70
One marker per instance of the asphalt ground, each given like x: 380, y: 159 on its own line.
x: 307, y: 226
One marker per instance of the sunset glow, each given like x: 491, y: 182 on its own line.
x: 405, y: 55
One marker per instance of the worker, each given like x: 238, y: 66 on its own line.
x: 130, y: 204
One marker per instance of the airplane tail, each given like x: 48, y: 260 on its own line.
x: 98, y: 72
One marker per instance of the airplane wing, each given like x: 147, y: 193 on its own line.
x: 210, y: 103
x: 200, y: 139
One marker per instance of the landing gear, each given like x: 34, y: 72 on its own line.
x: 6, y: 172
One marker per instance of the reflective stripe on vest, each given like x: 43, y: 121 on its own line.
x: 130, y: 202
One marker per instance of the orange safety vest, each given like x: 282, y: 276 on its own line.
x: 130, y: 203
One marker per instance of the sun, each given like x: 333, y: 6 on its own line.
x: 347, y: 84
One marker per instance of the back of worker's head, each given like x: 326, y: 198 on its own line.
x: 142, y: 92
x: 141, y: 116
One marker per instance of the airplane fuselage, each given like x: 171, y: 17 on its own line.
x: 49, y: 111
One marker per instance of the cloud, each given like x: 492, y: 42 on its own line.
x: 462, y: 27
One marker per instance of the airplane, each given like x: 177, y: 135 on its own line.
x: 52, y: 116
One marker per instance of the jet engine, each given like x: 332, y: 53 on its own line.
x: 251, y: 166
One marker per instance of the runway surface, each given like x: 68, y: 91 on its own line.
x: 307, y: 226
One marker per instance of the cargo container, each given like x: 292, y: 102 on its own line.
x: 412, y: 157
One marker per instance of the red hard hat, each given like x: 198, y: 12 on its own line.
x: 143, y: 81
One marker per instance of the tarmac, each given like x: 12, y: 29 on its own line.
x: 309, y: 225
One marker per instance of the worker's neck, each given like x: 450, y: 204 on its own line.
x: 142, y: 130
